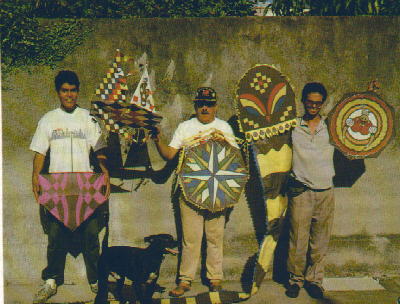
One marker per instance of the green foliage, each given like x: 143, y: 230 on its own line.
x: 18, y: 33
x: 335, y: 7
x: 59, y: 40
x: 142, y: 8
x: 25, y: 41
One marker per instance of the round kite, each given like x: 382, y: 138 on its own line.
x: 361, y: 125
x: 265, y: 103
x: 212, y: 175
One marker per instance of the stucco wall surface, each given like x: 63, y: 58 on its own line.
x: 183, y: 54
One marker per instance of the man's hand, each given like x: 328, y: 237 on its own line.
x: 165, y: 151
x: 156, y: 134
x: 35, y: 186
x: 218, y: 135
x: 107, y: 183
x: 374, y: 85
x: 102, y: 163
x: 38, y: 162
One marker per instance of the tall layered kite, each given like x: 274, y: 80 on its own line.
x: 128, y: 123
x: 267, y: 111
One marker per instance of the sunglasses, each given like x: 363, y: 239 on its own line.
x: 314, y: 104
x: 205, y: 103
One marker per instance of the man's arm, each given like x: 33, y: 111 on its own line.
x: 98, y: 144
x: 165, y: 151
x: 102, y: 163
x: 38, y: 162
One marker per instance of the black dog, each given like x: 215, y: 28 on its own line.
x: 141, y: 266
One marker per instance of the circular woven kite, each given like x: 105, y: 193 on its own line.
x: 361, y: 125
x: 212, y: 175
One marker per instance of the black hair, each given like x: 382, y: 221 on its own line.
x: 66, y: 77
x: 313, y: 87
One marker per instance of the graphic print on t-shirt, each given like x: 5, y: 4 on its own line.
x: 62, y: 134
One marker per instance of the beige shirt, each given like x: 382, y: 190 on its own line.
x: 312, y: 155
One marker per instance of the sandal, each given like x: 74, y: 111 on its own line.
x: 215, y: 285
x: 179, y: 290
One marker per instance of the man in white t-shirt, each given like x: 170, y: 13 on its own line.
x: 194, y: 220
x: 69, y: 132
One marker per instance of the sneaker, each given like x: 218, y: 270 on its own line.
x: 94, y: 287
x: 215, y: 285
x: 45, y: 292
x: 293, y: 291
x: 180, y: 290
x: 314, y: 291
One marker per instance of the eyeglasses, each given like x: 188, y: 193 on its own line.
x: 204, y: 103
x: 314, y: 104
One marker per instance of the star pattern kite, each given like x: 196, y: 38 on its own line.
x: 213, y: 175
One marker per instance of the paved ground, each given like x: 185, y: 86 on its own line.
x: 270, y: 292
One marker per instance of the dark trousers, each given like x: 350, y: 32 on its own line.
x: 61, y: 241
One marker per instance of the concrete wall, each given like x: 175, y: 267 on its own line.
x: 343, y: 53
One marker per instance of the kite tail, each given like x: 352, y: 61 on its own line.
x: 220, y: 297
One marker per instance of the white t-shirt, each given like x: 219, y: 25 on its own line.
x: 191, y: 127
x: 69, y: 137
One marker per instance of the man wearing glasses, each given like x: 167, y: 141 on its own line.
x: 195, y: 220
x: 311, y: 197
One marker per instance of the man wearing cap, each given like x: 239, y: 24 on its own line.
x: 195, y: 220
